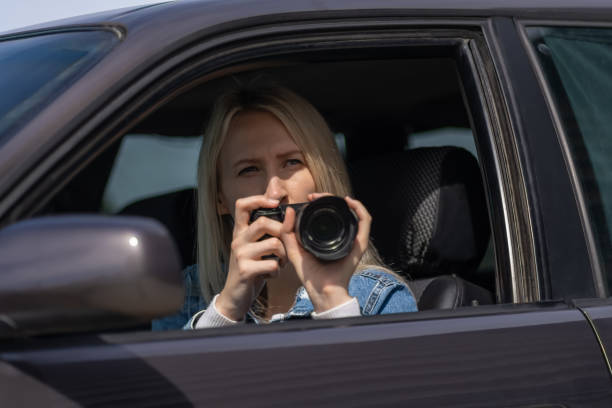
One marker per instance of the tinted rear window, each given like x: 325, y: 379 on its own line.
x: 577, y: 63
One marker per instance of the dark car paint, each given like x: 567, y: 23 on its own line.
x: 601, y: 317
x: 553, y: 221
x: 599, y: 314
x: 529, y: 357
x: 536, y: 356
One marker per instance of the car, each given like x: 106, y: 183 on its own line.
x: 475, y: 132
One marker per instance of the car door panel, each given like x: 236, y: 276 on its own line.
x: 510, y: 359
x: 602, y: 318
x: 599, y: 312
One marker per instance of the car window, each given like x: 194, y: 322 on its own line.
x: 426, y: 155
x: 133, y: 177
x: 36, y: 68
x: 577, y: 63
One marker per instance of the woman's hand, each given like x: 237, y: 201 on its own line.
x: 326, y: 282
x: 247, y: 271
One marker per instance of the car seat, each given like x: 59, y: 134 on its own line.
x: 430, y: 220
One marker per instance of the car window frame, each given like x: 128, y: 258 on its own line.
x: 517, y: 275
x: 555, y: 219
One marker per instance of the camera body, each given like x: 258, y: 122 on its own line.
x: 325, y: 227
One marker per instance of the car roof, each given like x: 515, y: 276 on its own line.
x: 219, y: 11
x: 91, y: 18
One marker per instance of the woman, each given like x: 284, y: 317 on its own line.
x: 264, y: 147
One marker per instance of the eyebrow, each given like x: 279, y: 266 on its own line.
x: 251, y: 160
x: 290, y: 153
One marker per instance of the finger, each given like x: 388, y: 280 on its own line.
x: 314, y: 196
x: 265, y: 268
x: 245, y: 206
x: 256, y: 250
x: 289, y: 221
x: 364, y: 224
x: 288, y: 235
x: 261, y: 227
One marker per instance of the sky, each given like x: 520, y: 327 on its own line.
x: 28, y: 12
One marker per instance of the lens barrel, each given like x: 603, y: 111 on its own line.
x: 326, y: 228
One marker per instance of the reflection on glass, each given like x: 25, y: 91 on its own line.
x: 577, y: 63
x: 37, y: 68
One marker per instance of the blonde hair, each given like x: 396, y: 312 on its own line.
x: 313, y: 137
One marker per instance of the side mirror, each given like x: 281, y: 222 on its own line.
x: 86, y: 272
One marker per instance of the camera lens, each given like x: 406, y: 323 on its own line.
x: 327, y: 228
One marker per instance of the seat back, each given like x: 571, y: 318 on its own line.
x: 429, y: 219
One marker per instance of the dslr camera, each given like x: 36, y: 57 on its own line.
x: 325, y: 227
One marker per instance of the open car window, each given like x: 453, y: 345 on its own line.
x: 410, y: 123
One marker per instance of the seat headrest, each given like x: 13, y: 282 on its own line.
x: 429, y: 210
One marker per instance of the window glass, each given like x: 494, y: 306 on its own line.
x: 577, y: 63
x: 150, y: 165
x: 37, y: 68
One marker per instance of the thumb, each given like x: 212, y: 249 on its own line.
x: 288, y: 234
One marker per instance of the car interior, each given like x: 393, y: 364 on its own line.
x: 404, y: 131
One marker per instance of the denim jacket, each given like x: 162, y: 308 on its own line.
x: 377, y: 292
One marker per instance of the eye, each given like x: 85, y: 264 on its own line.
x: 293, y: 162
x: 246, y: 170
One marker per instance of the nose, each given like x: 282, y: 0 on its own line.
x: 276, y: 189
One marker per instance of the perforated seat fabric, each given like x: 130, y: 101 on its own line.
x: 429, y: 215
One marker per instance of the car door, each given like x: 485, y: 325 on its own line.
x: 529, y: 349
x: 571, y: 60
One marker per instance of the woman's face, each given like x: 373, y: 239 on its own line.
x: 259, y: 156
